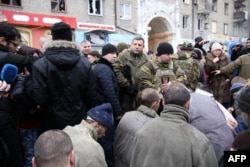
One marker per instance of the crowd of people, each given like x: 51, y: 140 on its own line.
x: 70, y: 105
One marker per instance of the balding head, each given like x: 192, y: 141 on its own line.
x: 53, y: 148
x: 149, y: 96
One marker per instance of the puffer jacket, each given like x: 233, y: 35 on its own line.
x: 178, y: 143
x: 63, y: 85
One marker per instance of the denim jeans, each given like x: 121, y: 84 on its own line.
x: 28, y: 139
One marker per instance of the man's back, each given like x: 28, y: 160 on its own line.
x: 178, y: 143
x: 127, y: 128
x: 63, y: 84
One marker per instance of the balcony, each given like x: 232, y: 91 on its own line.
x: 204, y: 9
x: 239, y: 16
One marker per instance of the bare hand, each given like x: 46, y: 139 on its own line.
x: 216, y: 72
x: 4, y: 89
x: 216, y: 59
x: 165, y: 86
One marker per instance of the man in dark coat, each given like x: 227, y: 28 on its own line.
x: 107, y: 92
x: 63, y: 81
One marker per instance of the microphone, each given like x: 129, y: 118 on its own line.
x: 9, y: 73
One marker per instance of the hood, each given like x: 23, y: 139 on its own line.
x: 62, y: 53
x: 181, y: 55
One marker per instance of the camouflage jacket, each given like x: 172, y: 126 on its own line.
x: 190, y: 67
x: 153, y: 70
x: 134, y: 62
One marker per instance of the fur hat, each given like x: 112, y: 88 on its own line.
x: 198, y: 39
x: 187, y: 46
x: 197, y: 54
x: 164, y: 48
x: 95, y: 53
x: 236, y: 87
x: 102, y: 114
x: 241, y: 141
x: 109, y: 48
x: 121, y: 46
x: 216, y: 46
x: 244, y: 100
x: 61, y: 31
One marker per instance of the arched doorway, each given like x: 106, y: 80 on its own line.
x: 158, y: 31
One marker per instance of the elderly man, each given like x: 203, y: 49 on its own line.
x: 130, y: 124
x: 84, y: 136
x: 170, y: 140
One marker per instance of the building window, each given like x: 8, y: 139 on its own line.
x: 225, y: 29
x: 226, y: 8
x: 125, y: 11
x: 186, y: 1
x: 12, y: 2
x: 200, y: 24
x: 58, y: 5
x: 214, y: 27
x: 95, y: 7
x: 185, y: 21
x: 214, y: 6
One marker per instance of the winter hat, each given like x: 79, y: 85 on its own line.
x: 198, y: 39
x: 121, y: 46
x: 164, y: 48
x: 187, y: 46
x: 95, y: 53
x: 216, y: 46
x: 241, y: 141
x: 109, y: 48
x: 236, y: 87
x: 61, y: 31
x: 197, y: 54
x: 102, y: 114
x: 244, y: 100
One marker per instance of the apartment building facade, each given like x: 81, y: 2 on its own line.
x: 113, y: 21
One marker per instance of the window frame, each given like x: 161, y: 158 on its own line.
x: 185, y: 19
x: 225, y: 29
x: 11, y: 3
x: 214, y: 27
x: 226, y: 9
x: 94, y: 2
x: 125, y: 14
x: 56, y: 8
x: 201, y: 24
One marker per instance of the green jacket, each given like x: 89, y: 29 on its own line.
x: 190, y: 67
x: 242, y: 63
x: 135, y: 63
x: 172, y: 142
x: 153, y: 70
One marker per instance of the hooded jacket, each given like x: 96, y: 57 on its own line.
x: 63, y: 85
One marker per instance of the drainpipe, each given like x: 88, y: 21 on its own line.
x: 116, y: 24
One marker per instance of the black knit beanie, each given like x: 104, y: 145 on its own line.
x: 197, y: 54
x: 244, y: 100
x: 164, y: 48
x: 198, y: 39
x: 61, y: 31
x: 109, y: 48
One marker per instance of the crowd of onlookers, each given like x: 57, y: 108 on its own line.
x: 70, y: 105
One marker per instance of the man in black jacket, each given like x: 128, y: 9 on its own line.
x: 9, y: 42
x: 63, y: 81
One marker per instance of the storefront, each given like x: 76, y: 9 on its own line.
x: 32, y: 26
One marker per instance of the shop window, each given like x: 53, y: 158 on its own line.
x: 95, y: 7
x: 125, y: 11
x: 185, y: 21
x: 11, y: 2
x: 58, y: 5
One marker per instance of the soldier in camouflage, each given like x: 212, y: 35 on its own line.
x: 184, y: 59
x: 127, y: 69
x: 154, y: 72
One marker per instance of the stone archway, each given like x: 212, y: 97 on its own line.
x: 158, y: 31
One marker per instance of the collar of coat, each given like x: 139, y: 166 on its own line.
x: 147, y: 111
x: 64, y: 44
x: 88, y: 130
x: 175, y: 112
